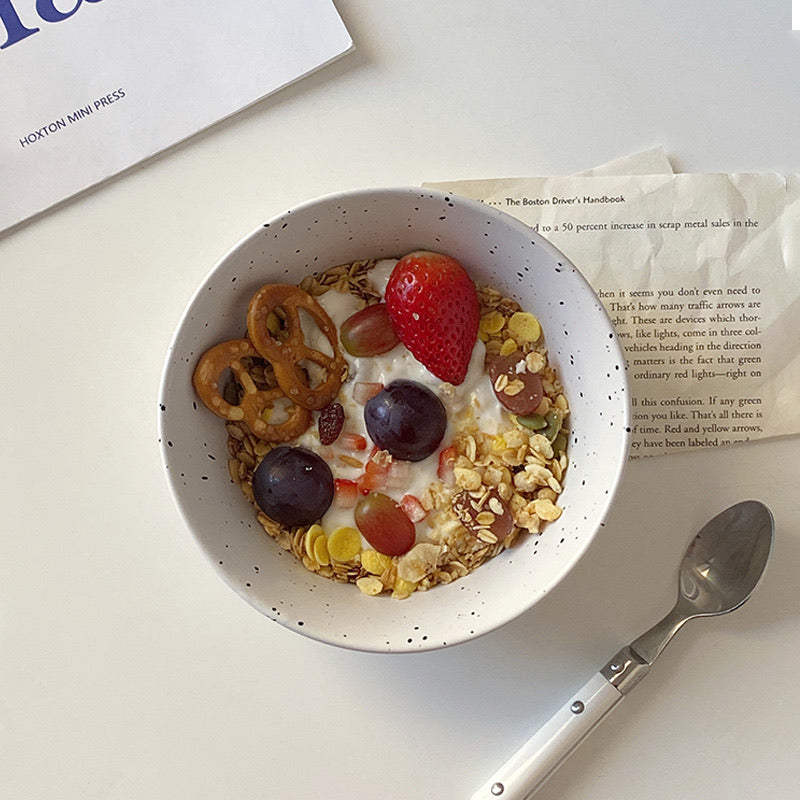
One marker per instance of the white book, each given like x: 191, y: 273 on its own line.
x: 90, y: 87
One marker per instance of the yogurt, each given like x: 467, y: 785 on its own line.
x: 474, y: 399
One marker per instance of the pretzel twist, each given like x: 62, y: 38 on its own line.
x: 254, y: 401
x: 286, y: 355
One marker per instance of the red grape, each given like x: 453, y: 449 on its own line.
x: 384, y: 524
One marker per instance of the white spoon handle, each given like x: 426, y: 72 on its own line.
x: 549, y: 747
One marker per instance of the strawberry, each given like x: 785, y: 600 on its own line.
x: 446, y: 468
x: 413, y: 508
x: 345, y: 493
x: 433, y: 306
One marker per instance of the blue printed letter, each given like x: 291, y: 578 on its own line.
x: 48, y: 11
x: 14, y: 28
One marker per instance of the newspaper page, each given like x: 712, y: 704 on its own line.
x: 701, y: 276
x: 91, y: 87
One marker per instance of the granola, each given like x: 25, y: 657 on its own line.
x: 491, y: 486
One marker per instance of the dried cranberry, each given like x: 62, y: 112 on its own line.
x: 331, y: 421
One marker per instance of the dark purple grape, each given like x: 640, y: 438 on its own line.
x: 407, y: 419
x: 293, y: 486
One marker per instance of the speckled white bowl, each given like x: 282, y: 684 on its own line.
x: 495, y: 248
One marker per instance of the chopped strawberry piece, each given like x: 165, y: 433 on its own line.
x: 413, y: 508
x: 373, y: 467
x: 345, y: 493
x: 381, y: 457
x: 370, y: 482
x: 446, y: 468
x: 353, y: 441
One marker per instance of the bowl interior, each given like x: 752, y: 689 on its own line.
x: 495, y: 249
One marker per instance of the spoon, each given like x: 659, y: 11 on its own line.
x: 720, y: 569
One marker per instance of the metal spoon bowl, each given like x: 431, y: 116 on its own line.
x: 720, y: 569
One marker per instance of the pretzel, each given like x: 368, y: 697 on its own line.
x: 254, y: 400
x: 285, y: 356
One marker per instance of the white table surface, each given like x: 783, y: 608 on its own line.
x: 127, y: 668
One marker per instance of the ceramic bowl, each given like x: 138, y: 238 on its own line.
x: 496, y: 249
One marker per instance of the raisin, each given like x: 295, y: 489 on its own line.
x: 331, y: 421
